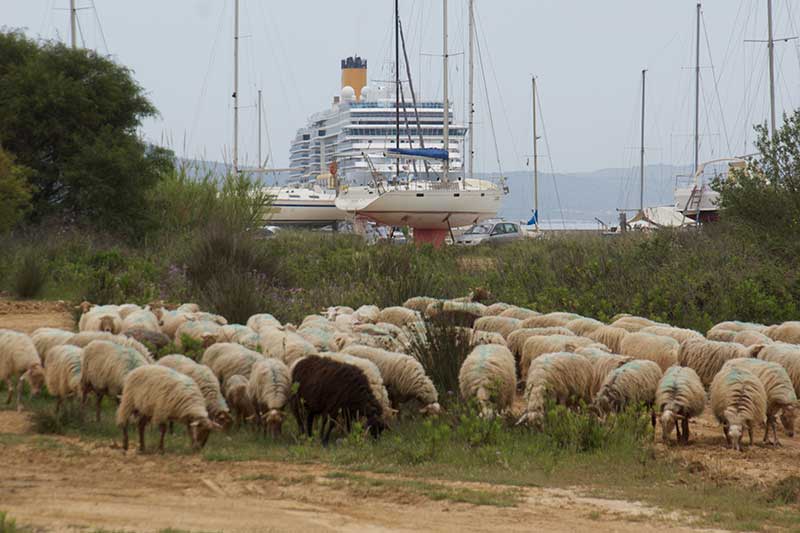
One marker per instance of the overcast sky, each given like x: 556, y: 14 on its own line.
x: 587, y: 54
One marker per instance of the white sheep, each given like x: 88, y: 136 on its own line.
x: 140, y: 319
x: 679, y: 397
x: 46, y: 338
x: 404, y: 377
x: 661, y: 350
x: 319, y: 335
x: 216, y: 405
x: 161, y: 395
x: 332, y: 313
x: 583, y: 326
x: 488, y: 375
x: 735, y: 325
x: 367, y: 314
x: 419, y: 303
x: 679, y: 334
x: 373, y: 375
x: 18, y: 357
x: 477, y: 337
x: 788, y: 332
x: 226, y: 359
x: 126, y: 309
x: 516, y: 339
x: 632, y: 324
x: 286, y: 345
x: 750, y: 337
x: 633, y: 383
x: 170, y: 321
x: 778, y: 387
x: 188, y: 308
x: 240, y: 335
x: 603, y: 363
x: 786, y: 355
x: 203, y: 331
x: 498, y: 324
x: 256, y: 322
x: 62, y: 375
x: 399, y: 316
x: 549, y: 320
x: 105, y: 318
x: 235, y: 392
x: 82, y: 340
x: 563, y: 378
x: 269, y: 388
x: 722, y: 335
x: 611, y: 336
x: 105, y: 365
x: 520, y: 313
x: 541, y: 344
x: 456, y: 311
x: 496, y: 308
x: 739, y: 401
x: 707, y: 357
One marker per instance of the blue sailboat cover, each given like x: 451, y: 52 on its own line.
x: 436, y: 154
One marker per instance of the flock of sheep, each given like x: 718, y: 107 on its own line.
x: 348, y: 365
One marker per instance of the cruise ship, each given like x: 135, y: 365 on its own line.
x: 361, y: 125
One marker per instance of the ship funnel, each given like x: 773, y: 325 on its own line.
x: 354, y: 74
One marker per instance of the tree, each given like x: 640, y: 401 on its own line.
x: 15, y: 192
x: 765, y: 196
x: 71, y: 117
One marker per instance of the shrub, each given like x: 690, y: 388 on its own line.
x: 441, y: 348
x: 30, y: 277
x: 236, y: 296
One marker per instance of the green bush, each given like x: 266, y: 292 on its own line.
x: 30, y: 277
x: 441, y: 348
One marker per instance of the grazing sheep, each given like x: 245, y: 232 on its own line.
x: 516, y: 339
x: 288, y: 346
x: 345, y: 323
x: 105, y: 365
x: 269, y: 388
x: 541, y: 344
x: 564, y: 378
x: 126, y: 309
x: 520, y: 313
x: 583, y: 326
x: 204, y: 331
x: 161, y: 395
x: 240, y: 335
x: 82, y: 340
x: 549, y: 320
x: 373, y: 374
x: 156, y: 339
x: 257, y: 322
x: 603, y: 363
x: 786, y: 355
x: 739, y: 401
x: 170, y: 321
x: 332, y: 313
x: 103, y: 318
x: 632, y: 324
x: 498, y: 324
x: 477, y: 337
x: 399, y: 316
x: 778, y: 387
x: 209, y: 317
x: 46, y: 338
x: 611, y: 336
x: 367, y: 314
x: 707, y: 357
x: 419, y: 303
x: 320, y: 337
x: 488, y: 375
x: 750, y: 337
x: 227, y: 359
x: 403, y: 376
x: 209, y: 385
x: 331, y: 389
x: 661, y: 350
x: 141, y: 319
x: 188, y: 308
x: 18, y: 357
x: 679, y: 334
x: 62, y: 375
x: 679, y: 397
x: 462, y: 313
x: 497, y: 308
x: 633, y: 383
x: 788, y: 332
x: 235, y: 392
x: 722, y: 335
x: 735, y: 325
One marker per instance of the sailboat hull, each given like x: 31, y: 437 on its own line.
x: 302, y: 207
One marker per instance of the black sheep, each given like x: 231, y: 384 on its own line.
x: 332, y: 389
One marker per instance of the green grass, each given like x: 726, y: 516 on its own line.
x: 9, y: 525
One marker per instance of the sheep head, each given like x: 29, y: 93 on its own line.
x: 735, y: 436
x: 432, y: 409
x: 224, y: 419
x: 376, y: 426
x: 667, y: 423
x: 273, y: 420
x: 755, y: 349
x: 107, y: 324
x: 788, y: 414
x: 208, y: 339
x: 200, y: 430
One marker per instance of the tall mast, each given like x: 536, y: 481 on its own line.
x: 236, y: 88
x: 641, y: 153
x: 445, y: 96
x: 697, y: 96
x: 73, y: 23
x: 771, y: 47
x: 259, y: 129
x: 397, y: 83
x: 471, y: 128
x: 535, y: 161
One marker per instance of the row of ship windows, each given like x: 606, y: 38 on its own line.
x: 391, y: 132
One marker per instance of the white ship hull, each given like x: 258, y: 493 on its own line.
x: 709, y: 200
x: 422, y: 208
x: 303, y: 207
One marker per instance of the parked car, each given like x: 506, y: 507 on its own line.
x: 497, y: 231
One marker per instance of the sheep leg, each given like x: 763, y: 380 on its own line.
x: 750, y: 432
x: 171, y: 428
x: 58, y: 405
x: 322, y: 427
x: 142, y: 425
x: 310, y: 424
x: 163, y: 428
x: 774, y: 423
x: 327, y: 435
x: 677, y: 431
x: 685, y: 434
x: 125, y: 437
x: 97, y: 408
x: 727, y: 436
x: 10, y: 387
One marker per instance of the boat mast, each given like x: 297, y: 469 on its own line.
x: 73, y: 23
x: 697, y: 96
x: 397, y: 83
x: 471, y: 128
x: 236, y: 88
x: 445, y: 99
x: 535, y: 161
x: 641, y: 153
x: 771, y: 47
x: 259, y: 129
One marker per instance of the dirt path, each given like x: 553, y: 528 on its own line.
x: 64, y: 484
x: 26, y: 316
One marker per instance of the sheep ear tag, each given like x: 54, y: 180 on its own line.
x: 194, y: 424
